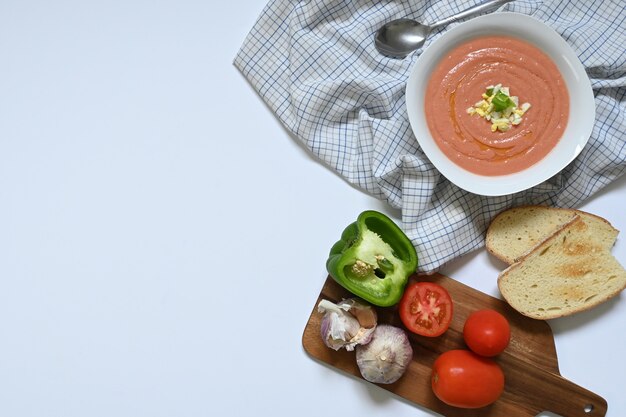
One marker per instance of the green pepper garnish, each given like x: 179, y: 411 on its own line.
x: 501, y: 101
x: 490, y: 92
x: 373, y: 259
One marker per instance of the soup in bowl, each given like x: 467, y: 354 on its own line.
x: 500, y: 104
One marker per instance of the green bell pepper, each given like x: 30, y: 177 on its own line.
x: 373, y: 259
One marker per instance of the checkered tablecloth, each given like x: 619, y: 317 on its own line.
x: 314, y: 63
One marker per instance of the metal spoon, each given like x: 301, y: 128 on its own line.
x: 400, y: 37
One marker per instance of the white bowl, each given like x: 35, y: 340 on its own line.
x: 582, y: 105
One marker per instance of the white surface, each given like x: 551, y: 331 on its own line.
x: 163, y: 239
x: 582, y: 105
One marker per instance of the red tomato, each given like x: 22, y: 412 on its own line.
x: 461, y: 378
x: 487, y: 332
x: 426, y: 308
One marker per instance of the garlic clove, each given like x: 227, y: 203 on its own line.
x: 346, y: 324
x: 363, y: 312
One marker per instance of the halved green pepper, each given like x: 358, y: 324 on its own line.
x: 373, y: 260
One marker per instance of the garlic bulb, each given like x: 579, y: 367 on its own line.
x: 386, y: 357
x: 347, y: 323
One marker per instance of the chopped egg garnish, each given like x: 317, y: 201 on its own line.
x: 500, y: 108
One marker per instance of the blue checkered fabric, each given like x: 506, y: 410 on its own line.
x: 314, y: 63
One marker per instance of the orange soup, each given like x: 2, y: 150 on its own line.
x: 461, y: 79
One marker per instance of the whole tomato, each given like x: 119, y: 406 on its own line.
x: 487, y: 332
x: 461, y: 378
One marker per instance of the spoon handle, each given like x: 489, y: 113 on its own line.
x: 479, y: 8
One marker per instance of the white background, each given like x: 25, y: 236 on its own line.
x: 163, y: 238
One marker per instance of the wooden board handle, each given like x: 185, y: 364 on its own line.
x: 547, y: 391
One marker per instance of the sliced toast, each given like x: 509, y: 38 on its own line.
x: 566, y: 273
x: 515, y: 231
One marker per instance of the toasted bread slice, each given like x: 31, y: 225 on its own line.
x: 567, y: 273
x: 515, y: 231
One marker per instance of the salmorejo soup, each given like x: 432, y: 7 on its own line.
x: 496, y: 105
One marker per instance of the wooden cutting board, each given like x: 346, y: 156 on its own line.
x: 533, y: 383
